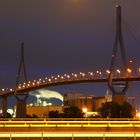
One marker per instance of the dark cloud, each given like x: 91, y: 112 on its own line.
x: 62, y: 35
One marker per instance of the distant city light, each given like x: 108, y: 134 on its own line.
x: 138, y: 115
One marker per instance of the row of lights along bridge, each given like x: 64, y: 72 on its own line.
x: 73, y: 76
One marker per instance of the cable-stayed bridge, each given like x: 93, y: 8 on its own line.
x: 113, y: 76
x: 79, y: 129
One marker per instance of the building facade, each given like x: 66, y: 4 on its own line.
x: 90, y: 103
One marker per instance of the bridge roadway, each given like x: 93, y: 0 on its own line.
x: 69, y: 128
x: 40, y: 85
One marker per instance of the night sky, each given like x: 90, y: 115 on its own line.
x: 63, y: 36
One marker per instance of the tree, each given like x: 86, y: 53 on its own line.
x: 28, y: 116
x: 34, y: 116
x: 127, y: 110
x: 114, y: 110
x: 8, y: 115
x: 53, y: 114
x: 72, y: 112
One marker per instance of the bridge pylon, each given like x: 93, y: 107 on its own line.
x: 21, y: 98
x: 118, y: 88
x: 4, y: 105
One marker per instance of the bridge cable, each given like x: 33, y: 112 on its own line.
x: 132, y: 31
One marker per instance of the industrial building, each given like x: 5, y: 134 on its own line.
x: 87, y: 103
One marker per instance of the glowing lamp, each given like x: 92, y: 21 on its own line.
x: 84, y: 110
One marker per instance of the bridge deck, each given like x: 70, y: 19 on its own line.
x: 35, y: 86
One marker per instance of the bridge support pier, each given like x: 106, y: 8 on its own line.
x: 21, y: 107
x: 4, y: 106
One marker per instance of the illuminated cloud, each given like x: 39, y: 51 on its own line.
x: 47, y: 94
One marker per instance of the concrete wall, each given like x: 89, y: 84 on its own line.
x: 42, y: 111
